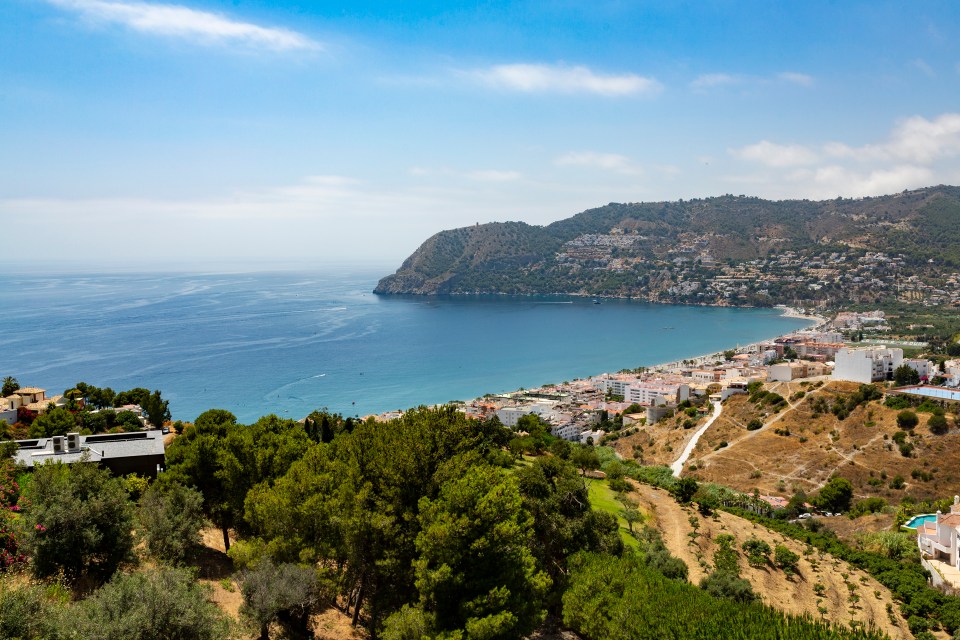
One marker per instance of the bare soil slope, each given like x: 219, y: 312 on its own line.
x: 800, y: 448
x: 850, y: 596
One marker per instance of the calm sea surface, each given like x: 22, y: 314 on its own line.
x: 288, y: 343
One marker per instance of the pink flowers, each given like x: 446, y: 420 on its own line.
x: 39, y: 527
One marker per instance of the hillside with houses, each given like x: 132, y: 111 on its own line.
x: 729, y: 250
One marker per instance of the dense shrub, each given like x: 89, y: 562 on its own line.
x: 868, y: 505
x: 938, y: 424
x: 907, y: 419
x: 758, y: 552
x: 80, y: 522
x: 155, y: 605
x: 284, y: 591
x: 27, y: 611
x: 170, y: 517
x: 723, y: 584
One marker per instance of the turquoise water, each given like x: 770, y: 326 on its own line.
x: 939, y: 393
x: 917, y: 521
x: 288, y: 343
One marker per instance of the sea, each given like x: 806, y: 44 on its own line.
x: 289, y: 342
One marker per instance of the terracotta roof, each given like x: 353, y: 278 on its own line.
x: 29, y: 390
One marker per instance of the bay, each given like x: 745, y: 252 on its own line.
x: 289, y: 342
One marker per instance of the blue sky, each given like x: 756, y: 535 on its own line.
x: 250, y: 130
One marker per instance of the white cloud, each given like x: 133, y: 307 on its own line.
x: 478, y: 175
x: 918, y: 152
x: 542, y: 78
x: 711, y: 80
x: 801, y: 79
x: 349, y: 218
x: 613, y: 162
x: 833, y: 180
x: 182, y: 22
x: 776, y: 155
x: 915, y: 139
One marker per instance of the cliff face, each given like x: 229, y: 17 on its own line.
x: 659, y: 250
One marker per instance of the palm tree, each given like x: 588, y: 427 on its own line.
x: 10, y: 385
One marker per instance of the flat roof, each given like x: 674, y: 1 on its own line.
x: 112, y: 445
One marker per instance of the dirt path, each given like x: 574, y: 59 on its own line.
x: 677, y: 466
x: 847, y: 596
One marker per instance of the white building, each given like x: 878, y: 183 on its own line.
x: 867, y: 364
x: 924, y: 368
x: 940, y: 539
x: 596, y: 435
x: 616, y: 386
x: 570, y: 431
x: 509, y: 416
x: 649, y: 392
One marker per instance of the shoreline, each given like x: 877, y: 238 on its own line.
x: 816, y: 321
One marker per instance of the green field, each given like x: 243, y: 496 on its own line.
x: 603, y: 498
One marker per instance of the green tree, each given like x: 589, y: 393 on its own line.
x: 10, y: 385
x: 128, y: 421
x: 156, y: 409
x: 725, y: 558
x: 170, y: 517
x: 94, y: 422
x: 53, y: 422
x: 274, y: 592
x: 938, y: 424
x: 194, y: 459
x: 585, y: 458
x: 165, y: 604
x: 563, y: 522
x: 907, y: 419
x: 723, y: 584
x: 137, y: 395
x: 785, y: 559
x: 255, y: 454
x: 80, y: 521
x: 758, y: 552
x: 685, y: 489
x: 905, y: 375
x: 835, y: 496
x: 475, y: 571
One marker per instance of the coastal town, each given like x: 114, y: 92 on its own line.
x: 583, y: 410
x: 689, y: 272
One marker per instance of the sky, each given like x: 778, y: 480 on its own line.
x: 266, y: 131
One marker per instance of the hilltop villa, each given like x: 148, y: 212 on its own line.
x: 938, y: 539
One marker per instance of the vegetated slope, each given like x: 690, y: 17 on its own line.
x: 802, y: 445
x: 848, y: 596
x: 513, y: 257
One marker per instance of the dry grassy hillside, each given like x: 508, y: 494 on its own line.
x: 846, y: 595
x: 660, y: 443
x: 799, y: 448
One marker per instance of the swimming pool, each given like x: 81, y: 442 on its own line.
x: 918, y: 521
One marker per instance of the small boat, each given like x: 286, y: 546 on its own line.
x: 595, y: 301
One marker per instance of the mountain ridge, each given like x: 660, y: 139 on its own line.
x: 645, y: 250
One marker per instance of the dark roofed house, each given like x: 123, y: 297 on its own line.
x: 139, y: 452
